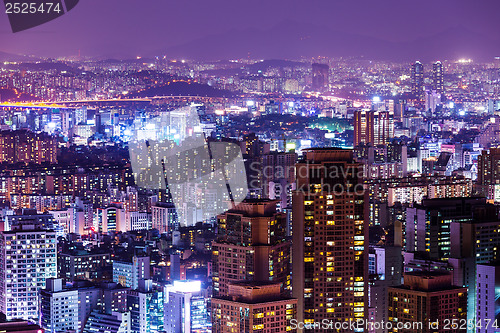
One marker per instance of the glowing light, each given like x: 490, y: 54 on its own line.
x: 127, y: 132
x: 150, y: 126
x: 290, y: 145
x: 51, y: 125
x: 461, y: 113
x: 451, y: 105
x: 187, y: 286
x: 250, y: 103
x: 376, y: 99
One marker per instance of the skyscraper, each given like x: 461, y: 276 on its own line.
x: 330, y: 234
x: 251, y: 245
x: 417, y: 80
x: 27, y: 257
x: 373, y: 127
x: 320, y: 77
x: 437, y: 77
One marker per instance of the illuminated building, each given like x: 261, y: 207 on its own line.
x: 251, y: 245
x: 80, y: 265
x: 128, y: 274
x: 417, y: 79
x: 146, y: 306
x: 26, y: 147
x: 426, y: 298
x: 330, y: 235
x: 164, y: 217
x: 23, y: 269
x: 373, y: 127
x: 58, y: 307
x: 253, y: 307
x: 186, y: 308
x: 437, y: 77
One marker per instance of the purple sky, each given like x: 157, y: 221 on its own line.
x: 139, y: 27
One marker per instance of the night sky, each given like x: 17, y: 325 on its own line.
x: 124, y: 28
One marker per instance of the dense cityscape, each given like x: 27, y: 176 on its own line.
x: 249, y: 167
x: 371, y: 196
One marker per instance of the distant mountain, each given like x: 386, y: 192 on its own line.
x: 184, y: 89
x: 4, y: 56
x: 292, y: 40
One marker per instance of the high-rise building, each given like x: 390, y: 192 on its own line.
x: 164, y: 217
x: 27, y: 147
x: 186, y: 308
x: 320, y: 74
x: 58, y: 307
x: 488, y: 173
x: 253, y: 307
x: 27, y: 257
x: 373, y: 127
x: 146, y: 306
x: 487, y: 290
x: 438, y: 77
x: 330, y: 237
x: 251, y: 244
x: 427, y: 298
x: 417, y: 80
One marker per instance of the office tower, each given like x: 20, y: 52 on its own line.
x: 186, y: 308
x: 259, y: 308
x: 426, y: 298
x: 320, y: 74
x: 128, y: 274
x: 417, y: 80
x: 251, y: 245
x: 330, y: 236
x: 137, y: 221
x: 487, y: 290
x: 81, y: 265
x: 116, y: 322
x: 58, y: 307
x: 27, y: 257
x: 111, y: 219
x: 164, y: 217
x: 27, y: 147
x: 146, y: 306
x: 373, y: 127
x: 438, y: 77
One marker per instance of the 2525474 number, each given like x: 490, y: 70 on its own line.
x: 32, y: 8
